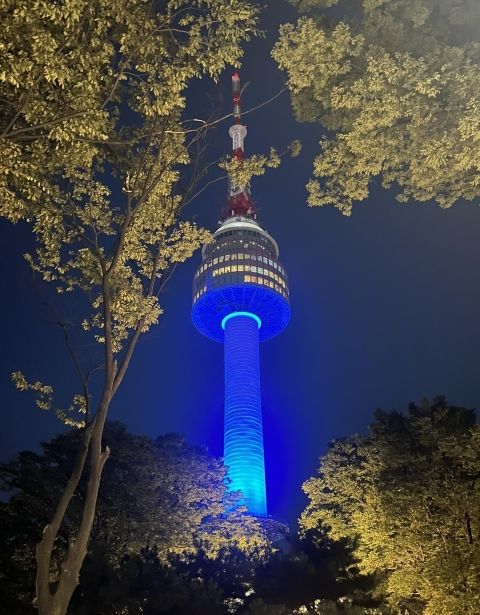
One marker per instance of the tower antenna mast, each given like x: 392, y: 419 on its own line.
x: 239, y: 201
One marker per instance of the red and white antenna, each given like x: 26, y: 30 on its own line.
x: 239, y: 203
x: 238, y: 131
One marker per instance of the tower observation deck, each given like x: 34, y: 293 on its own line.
x: 241, y: 297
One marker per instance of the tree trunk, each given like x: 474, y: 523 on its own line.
x: 44, y: 548
x: 56, y: 602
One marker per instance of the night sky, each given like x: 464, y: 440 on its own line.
x: 385, y: 310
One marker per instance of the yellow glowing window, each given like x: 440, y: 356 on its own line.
x: 215, y: 261
x: 227, y: 257
x: 234, y: 257
x: 247, y: 278
x: 240, y: 267
x: 254, y: 278
x: 227, y: 269
x: 234, y: 268
x: 220, y: 259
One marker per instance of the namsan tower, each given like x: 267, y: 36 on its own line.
x: 241, y: 297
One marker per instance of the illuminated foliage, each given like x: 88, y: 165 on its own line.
x: 161, y: 495
x: 93, y: 140
x: 408, y: 496
x: 97, y: 157
x: 395, y: 83
x: 240, y: 172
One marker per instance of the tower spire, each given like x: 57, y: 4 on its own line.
x: 239, y: 201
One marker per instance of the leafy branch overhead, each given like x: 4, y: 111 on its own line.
x: 95, y: 153
x: 240, y: 172
x: 43, y: 391
x: 395, y: 84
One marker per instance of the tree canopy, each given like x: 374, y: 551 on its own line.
x: 167, y: 538
x: 159, y: 499
x: 395, y: 85
x: 407, y: 497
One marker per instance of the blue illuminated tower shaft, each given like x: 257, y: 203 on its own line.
x: 243, y: 435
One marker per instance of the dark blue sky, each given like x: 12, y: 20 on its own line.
x: 385, y: 311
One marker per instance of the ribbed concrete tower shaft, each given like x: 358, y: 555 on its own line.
x: 243, y: 434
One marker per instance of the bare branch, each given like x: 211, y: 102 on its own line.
x: 78, y: 367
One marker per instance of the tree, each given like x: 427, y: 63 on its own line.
x: 93, y: 147
x: 407, y: 497
x: 396, y: 85
x: 159, y: 500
